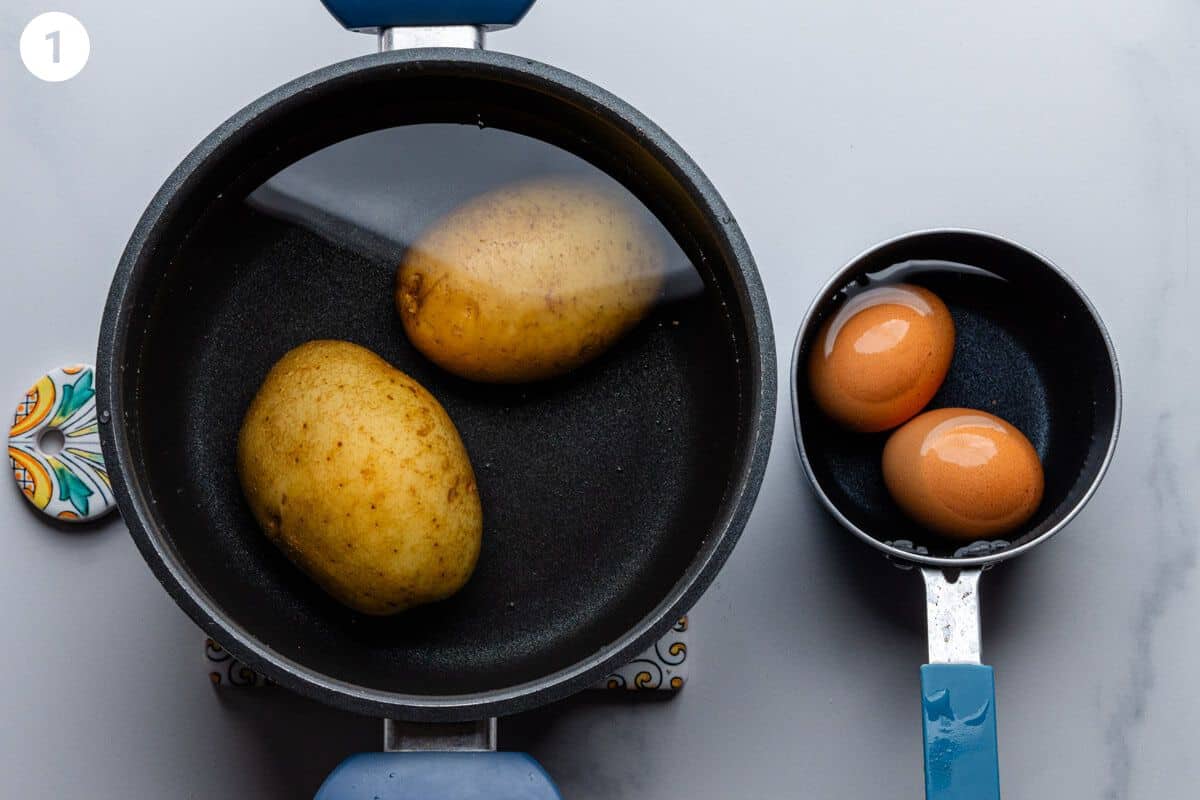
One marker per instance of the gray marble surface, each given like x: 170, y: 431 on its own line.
x: 828, y: 126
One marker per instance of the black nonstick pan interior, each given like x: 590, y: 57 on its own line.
x: 604, y: 491
x: 1028, y: 349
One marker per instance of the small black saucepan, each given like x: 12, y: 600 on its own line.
x: 1031, y: 349
x: 612, y: 496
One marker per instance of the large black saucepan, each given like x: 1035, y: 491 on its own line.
x: 583, y: 564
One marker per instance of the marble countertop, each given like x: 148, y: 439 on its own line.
x: 827, y: 127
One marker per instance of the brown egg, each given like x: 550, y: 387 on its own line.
x: 881, y: 358
x: 963, y: 473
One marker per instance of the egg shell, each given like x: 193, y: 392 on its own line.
x: 963, y: 473
x: 881, y: 357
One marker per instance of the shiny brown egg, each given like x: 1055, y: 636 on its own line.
x: 963, y: 473
x: 882, y: 357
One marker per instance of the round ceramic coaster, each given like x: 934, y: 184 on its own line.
x: 54, y: 447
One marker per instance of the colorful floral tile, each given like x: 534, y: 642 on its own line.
x: 67, y: 479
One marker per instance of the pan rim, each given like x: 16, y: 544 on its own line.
x: 835, y: 282
x: 756, y: 435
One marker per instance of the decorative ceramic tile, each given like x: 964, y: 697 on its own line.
x: 662, y: 667
x: 66, y: 480
x: 225, y: 670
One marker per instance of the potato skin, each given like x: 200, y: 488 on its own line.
x: 529, y: 281
x: 357, y: 473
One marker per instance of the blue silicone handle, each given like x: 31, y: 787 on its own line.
x: 958, y: 704
x: 438, y: 776
x: 358, y: 15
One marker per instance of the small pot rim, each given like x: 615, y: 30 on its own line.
x: 838, y: 280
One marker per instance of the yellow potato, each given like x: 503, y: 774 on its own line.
x: 529, y: 281
x: 356, y: 472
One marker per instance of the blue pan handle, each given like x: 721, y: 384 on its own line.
x: 958, y: 693
x: 358, y: 15
x: 958, y: 704
x: 438, y: 776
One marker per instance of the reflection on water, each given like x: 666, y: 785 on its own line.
x: 607, y: 478
x: 378, y: 192
x: 516, y: 261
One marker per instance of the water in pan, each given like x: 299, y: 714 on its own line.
x: 377, y: 193
x: 599, y: 487
x: 534, y: 230
x: 998, y: 366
